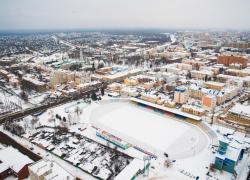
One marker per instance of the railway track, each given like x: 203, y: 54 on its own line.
x: 41, y: 108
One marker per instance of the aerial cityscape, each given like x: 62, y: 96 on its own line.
x: 124, y: 90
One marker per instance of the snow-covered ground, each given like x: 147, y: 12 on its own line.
x: 196, y: 163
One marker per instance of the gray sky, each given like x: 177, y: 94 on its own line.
x: 70, y: 14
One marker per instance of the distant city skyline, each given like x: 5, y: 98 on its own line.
x: 113, y: 14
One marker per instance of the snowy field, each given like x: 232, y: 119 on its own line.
x: 150, y: 130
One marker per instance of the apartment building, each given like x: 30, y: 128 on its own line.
x: 150, y: 97
x: 81, y: 78
x: 227, y: 60
x: 34, y: 84
x: 234, y: 82
x: 181, y: 94
x: 175, y: 68
x: 169, y: 77
x: 224, y: 78
x: 209, y: 102
x: 170, y: 86
x: 240, y: 114
x: 121, y: 75
x: 239, y: 45
x: 237, y: 66
x: 194, y: 63
x: 193, y: 110
x: 153, y: 84
x: 213, y: 69
x: 202, y: 74
x: 128, y: 92
x: 239, y: 73
x: 215, y: 85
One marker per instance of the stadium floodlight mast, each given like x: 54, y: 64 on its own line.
x: 146, y: 159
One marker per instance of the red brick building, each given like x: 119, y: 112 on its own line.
x: 12, y: 162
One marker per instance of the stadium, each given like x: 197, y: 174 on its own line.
x: 152, y: 128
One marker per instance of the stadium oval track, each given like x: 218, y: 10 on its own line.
x: 190, y: 142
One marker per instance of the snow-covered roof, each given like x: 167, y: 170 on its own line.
x: 130, y: 170
x: 167, y: 109
x: 12, y: 158
x: 241, y: 109
x: 58, y: 173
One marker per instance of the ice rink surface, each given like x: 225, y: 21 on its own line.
x: 150, y: 130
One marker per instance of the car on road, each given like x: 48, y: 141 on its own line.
x: 31, y: 148
x: 39, y: 153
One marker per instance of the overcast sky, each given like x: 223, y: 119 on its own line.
x: 95, y: 14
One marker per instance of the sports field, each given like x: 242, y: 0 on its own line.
x: 150, y: 130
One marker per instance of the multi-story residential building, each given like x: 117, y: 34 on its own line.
x: 227, y: 60
x: 224, y: 78
x: 128, y: 92
x: 152, y: 84
x: 181, y: 94
x: 170, y: 86
x: 237, y: 66
x: 45, y: 169
x: 81, y: 78
x: 213, y: 69
x: 195, y: 64
x: 34, y: 84
x: 240, y: 114
x: 239, y: 73
x: 193, y: 110
x: 13, y: 162
x: 150, y: 97
x: 239, y: 45
x: 209, y: 102
x: 175, y: 68
x: 202, y: 74
x: 234, y: 82
x: 121, y: 76
x: 169, y: 77
x: 215, y: 85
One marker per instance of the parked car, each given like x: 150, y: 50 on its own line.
x: 31, y: 148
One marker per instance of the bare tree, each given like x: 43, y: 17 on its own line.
x: 212, y: 168
x: 70, y: 119
x: 77, y: 110
x: 26, y: 124
x: 168, y: 163
x: 33, y: 122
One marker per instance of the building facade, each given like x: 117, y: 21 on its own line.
x: 227, y: 60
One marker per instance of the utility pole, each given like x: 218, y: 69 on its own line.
x: 212, y: 120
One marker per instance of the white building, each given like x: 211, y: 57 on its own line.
x: 48, y: 170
